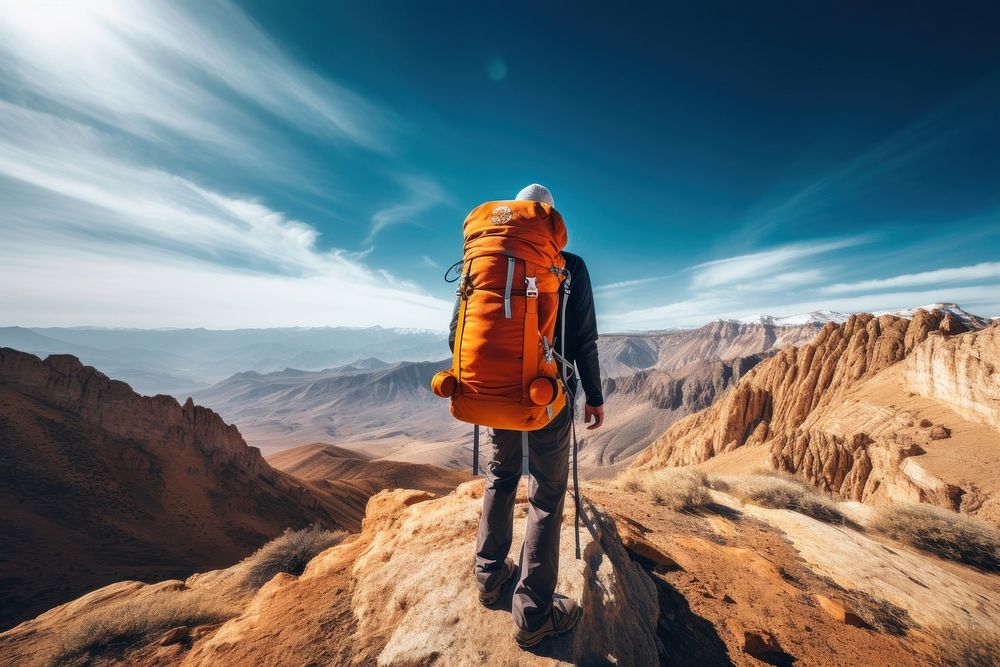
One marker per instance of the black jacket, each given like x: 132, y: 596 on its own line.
x: 581, y: 330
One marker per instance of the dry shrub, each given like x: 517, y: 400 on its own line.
x: 784, y: 492
x: 114, y: 628
x: 719, y: 483
x: 289, y: 553
x: 680, y: 490
x: 632, y: 480
x: 942, y: 532
x: 968, y: 647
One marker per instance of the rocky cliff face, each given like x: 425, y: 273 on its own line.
x: 62, y: 382
x: 841, y: 412
x: 962, y: 372
x: 100, y: 483
x: 624, y: 354
x: 646, y: 403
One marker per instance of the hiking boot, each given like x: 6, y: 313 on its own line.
x: 562, y: 617
x: 489, y: 597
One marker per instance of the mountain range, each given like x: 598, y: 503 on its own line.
x: 768, y: 527
x: 876, y: 407
x: 180, y: 361
x: 102, y: 484
x: 650, y: 381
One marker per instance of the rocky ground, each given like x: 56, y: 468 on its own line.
x: 729, y: 583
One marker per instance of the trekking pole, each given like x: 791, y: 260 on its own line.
x: 475, y: 449
x: 576, y: 483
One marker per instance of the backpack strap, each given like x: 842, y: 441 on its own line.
x: 529, y: 366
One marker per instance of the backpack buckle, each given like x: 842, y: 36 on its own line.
x: 532, y: 287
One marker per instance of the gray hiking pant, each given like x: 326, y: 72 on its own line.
x: 548, y: 466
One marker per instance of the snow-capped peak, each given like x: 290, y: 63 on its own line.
x: 818, y: 317
x: 953, y: 309
x: 821, y: 317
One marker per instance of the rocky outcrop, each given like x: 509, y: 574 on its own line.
x: 779, y: 395
x: 656, y: 587
x: 842, y: 412
x: 101, y: 484
x: 624, y: 354
x: 962, y: 372
x: 646, y: 403
x: 63, y: 382
x: 400, y: 593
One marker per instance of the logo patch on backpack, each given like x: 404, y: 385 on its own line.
x: 501, y: 215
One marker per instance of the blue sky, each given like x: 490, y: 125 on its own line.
x: 307, y: 164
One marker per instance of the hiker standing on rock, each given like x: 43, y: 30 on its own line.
x: 523, y: 324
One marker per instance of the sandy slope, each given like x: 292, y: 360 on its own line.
x: 346, y: 479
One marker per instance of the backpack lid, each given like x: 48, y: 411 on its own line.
x: 529, y: 230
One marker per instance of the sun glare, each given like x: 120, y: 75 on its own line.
x: 55, y: 23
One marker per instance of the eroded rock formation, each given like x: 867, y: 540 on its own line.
x: 843, y: 412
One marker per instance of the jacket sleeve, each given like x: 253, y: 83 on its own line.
x: 581, y: 334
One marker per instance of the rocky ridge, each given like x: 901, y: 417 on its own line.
x: 836, y: 412
x: 101, y: 483
x: 736, y: 584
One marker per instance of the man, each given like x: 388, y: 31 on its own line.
x: 538, y: 612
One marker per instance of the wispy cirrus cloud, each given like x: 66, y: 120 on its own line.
x: 960, y: 274
x: 765, y: 264
x: 160, y: 69
x: 421, y: 194
x: 114, y: 118
x: 792, y: 279
x: 89, y: 233
x: 695, y: 311
x: 628, y: 284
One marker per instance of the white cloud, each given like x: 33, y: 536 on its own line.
x: 156, y: 70
x: 978, y: 299
x: 92, y: 232
x: 627, y: 284
x: 90, y: 236
x: 982, y: 271
x: 145, y: 288
x: 422, y: 194
x: 764, y: 264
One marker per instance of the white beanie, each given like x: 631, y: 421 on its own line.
x: 536, y: 192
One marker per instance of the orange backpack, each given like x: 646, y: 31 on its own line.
x: 504, y: 372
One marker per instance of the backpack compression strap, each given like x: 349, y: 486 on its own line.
x: 529, y: 364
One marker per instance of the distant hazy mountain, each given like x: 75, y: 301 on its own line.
x: 622, y: 355
x: 386, y: 412
x: 179, y: 361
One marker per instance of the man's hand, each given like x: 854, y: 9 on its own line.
x: 597, y: 413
